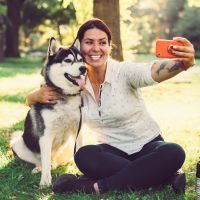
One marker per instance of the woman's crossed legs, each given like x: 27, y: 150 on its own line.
x: 115, y: 170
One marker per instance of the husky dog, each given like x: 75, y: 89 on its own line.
x: 45, y: 141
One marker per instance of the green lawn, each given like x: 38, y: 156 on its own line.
x: 175, y: 104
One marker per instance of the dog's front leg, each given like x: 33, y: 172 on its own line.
x: 45, y: 148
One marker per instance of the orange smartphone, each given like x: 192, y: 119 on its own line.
x: 163, y: 48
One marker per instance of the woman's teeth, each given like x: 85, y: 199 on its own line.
x: 95, y: 57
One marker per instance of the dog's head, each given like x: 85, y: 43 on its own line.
x: 64, y: 68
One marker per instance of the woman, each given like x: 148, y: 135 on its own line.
x: 130, y: 152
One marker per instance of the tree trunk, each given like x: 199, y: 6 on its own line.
x: 108, y: 11
x: 12, y: 32
x: 2, y: 37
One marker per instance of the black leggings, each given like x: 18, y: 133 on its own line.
x: 116, y: 170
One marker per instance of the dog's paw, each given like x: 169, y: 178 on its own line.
x: 36, y: 170
x: 45, y: 180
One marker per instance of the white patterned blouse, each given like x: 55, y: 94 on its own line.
x: 121, y: 118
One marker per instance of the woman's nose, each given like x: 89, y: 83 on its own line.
x: 96, y: 47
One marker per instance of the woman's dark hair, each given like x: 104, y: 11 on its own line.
x: 94, y: 23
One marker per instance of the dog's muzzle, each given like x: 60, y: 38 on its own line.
x: 77, y: 80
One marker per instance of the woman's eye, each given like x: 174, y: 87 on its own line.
x: 89, y: 43
x: 103, y: 43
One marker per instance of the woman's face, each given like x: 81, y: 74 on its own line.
x: 95, y: 48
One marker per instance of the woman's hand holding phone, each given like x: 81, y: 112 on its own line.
x: 164, y: 48
x: 180, y: 49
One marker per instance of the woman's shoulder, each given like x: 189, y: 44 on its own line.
x: 118, y: 64
x: 123, y: 65
x: 127, y: 63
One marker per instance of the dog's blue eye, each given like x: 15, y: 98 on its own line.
x: 68, y: 60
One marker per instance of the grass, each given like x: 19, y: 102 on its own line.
x: 11, y: 67
x: 174, y: 104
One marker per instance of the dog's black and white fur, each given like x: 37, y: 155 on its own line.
x: 45, y: 141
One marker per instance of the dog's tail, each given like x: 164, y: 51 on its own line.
x: 21, y: 151
x: 16, y: 136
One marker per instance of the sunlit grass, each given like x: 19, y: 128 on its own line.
x: 25, y: 65
x: 11, y: 113
x: 174, y: 103
x: 19, y: 84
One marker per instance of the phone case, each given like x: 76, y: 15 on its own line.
x: 163, y: 50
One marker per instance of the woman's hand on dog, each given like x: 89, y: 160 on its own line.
x: 45, y: 94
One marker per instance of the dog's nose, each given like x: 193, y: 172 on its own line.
x: 82, y: 69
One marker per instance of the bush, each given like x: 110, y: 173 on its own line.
x: 188, y: 26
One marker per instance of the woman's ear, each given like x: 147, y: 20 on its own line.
x: 53, y: 47
x: 77, y: 44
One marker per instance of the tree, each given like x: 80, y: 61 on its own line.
x: 2, y: 36
x: 39, y: 12
x: 61, y: 16
x: 12, y: 32
x: 189, y: 27
x: 155, y: 19
x: 2, y: 29
x: 108, y: 10
x: 171, y: 14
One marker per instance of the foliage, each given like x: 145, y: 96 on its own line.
x: 153, y: 19
x: 32, y: 15
x: 42, y: 12
x: 189, y: 26
x: 83, y: 10
x: 170, y: 15
x: 141, y: 22
x: 3, y: 8
x: 35, y: 12
x: 49, y: 19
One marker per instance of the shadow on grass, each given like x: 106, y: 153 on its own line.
x: 13, y: 98
x: 13, y: 66
x: 17, y: 182
x: 12, y: 71
x: 5, y: 136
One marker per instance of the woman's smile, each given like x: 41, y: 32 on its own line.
x: 95, y: 57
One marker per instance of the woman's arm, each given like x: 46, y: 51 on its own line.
x: 163, y: 70
x: 43, y: 95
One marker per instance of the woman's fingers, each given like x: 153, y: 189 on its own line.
x: 186, y: 49
x: 48, y: 95
x: 51, y: 97
x: 49, y: 101
x: 184, y: 53
x: 185, y: 41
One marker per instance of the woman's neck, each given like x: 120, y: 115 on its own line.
x: 96, y: 75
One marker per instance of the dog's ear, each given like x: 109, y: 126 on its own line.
x: 53, y: 47
x: 77, y: 44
